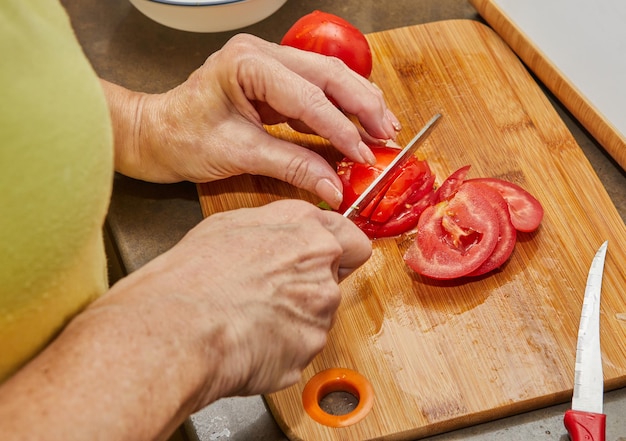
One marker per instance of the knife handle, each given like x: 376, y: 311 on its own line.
x: 585, y: 426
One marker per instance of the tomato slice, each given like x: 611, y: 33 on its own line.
x: 452, y: 183
x: 455, y: 236
x: 407, y: 214
x: 328, y: 34
x: 526, y: 211
x: 507, y: 234
x: 410, y: 183
x: 356, y: 177
x: 397, y: 208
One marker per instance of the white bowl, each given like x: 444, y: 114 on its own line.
x: 207, y: 15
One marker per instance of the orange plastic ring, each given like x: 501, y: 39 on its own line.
x: 337, y: 380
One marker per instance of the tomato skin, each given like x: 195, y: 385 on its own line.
x: 397, y: 208
x: 455, y: 236
x: 330, y: 35
x: 525, y: 210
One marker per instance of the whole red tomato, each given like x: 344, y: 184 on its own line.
x: 333, y: 36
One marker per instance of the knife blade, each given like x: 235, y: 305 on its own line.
x: 585, y: 420
x: 388, y: 173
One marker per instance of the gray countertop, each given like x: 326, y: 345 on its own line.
x: 146, y: 219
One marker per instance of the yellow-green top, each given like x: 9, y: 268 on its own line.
x: 56, y: 169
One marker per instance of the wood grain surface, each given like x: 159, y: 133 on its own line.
x: 557, y: 80
x: 444, y: 355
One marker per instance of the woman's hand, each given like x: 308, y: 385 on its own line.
x: 211, y: 126
x: 255, y: 291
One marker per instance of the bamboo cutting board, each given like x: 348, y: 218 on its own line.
x: 444, y: 355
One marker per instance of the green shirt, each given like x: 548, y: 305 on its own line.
x: 56, y: 169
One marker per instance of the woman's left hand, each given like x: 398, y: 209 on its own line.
x: 211, y: 126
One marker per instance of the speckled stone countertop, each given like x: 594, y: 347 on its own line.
x: 146, y: 219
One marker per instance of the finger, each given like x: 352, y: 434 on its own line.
x: 366, y: 137
x: 357, y: 248
x: 276, y: 80
x: 355, y: 245
x: 297, y: 99
x: 353, y: 93
x: 270, y: 156
x: 270, y: 117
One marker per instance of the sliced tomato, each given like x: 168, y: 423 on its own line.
x: 452, y: 184
x: 467, y: 227
x: 328, y: 34
x: 406, y: 217
x: 526, y: 211
x: 409, y: 186
x: 398, y: 207
x: 507, y: 234
x: 356, y: 177
x: 456, y: 236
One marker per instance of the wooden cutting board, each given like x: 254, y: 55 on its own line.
x: 444, y: 355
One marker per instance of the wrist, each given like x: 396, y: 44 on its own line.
x: 136, y: 129
x: 172, y: 333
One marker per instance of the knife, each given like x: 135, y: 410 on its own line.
x: 388, y: 174
x: 585, y: 420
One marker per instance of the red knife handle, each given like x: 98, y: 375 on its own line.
x: 585, y: 426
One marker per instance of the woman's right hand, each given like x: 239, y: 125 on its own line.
x: 253, y: 293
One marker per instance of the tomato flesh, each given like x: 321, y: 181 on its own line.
x: 406, y: 217
x: 330, y: 35
x: 409, y: 186
x: 455, y: 236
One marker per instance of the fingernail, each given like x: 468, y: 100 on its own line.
x: 366, y: 153
x: 329, y: 192
x: 394, y: 121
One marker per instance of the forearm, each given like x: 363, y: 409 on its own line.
x: 117, y: 372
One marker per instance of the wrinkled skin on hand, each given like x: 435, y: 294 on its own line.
x: 211, y: 126
x: 258, y: 285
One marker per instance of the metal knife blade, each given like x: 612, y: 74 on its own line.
x: 588, y: 379
x: 388, y: 173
